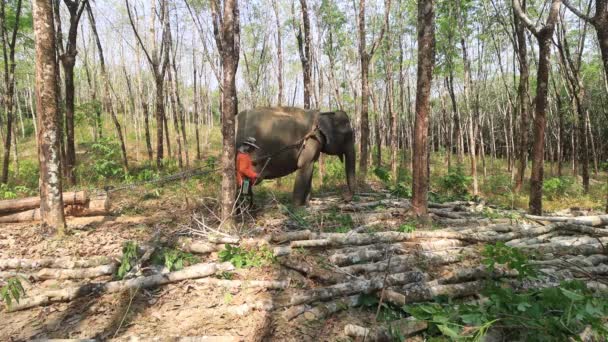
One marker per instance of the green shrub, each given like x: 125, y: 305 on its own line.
x: 129, y: 256
x: 401, y: 188
x: 561, y: 186
x: 105, y: 161
x: 509, y: 256
x: 551, y: 314
x: 497, y: 185
x: 13, y: 290
x: 29, y: 173
x: 173, y: 259
x: 243, y: 258
x: 455, y: 185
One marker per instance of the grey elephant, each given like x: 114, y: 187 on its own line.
x: 291, y: 139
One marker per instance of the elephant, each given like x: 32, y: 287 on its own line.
x: 291, y: 139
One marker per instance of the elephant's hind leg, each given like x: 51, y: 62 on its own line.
x: 302, y: 185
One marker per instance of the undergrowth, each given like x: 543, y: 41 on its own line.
x: 244, y: 258
x: 12, y: 291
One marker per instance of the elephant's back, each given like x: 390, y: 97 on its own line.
x: 286, y: 123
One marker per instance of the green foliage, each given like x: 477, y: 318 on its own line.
x: 560, y: 186
x: 552, y: 314
x: 401, y: 188
x: 87, y: 112
x: 129, y: 256
x: 13, y: 290
x: 173, y: 259
x: 105, y: 161
x: 244, y: 258
x: 341, y: 223
x: 455, y: 185
x: 29, y: 173
x: 509, y: 256
x: 408, y: 227
x: 388, y: 312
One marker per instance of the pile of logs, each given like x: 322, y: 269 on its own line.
x: 398, y: 267
x: 76, y: 204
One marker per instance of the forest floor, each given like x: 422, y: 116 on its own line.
x: 228, y: 313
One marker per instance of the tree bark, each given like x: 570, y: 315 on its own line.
x: 8, y: 50
x: 522, y: 96
x: 426, y: 63
x: 51, y: 200
x: 543, y: 35
x: 226, y: 29
x: 305, y: 54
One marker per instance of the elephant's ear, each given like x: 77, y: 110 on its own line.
x: 326, y: 126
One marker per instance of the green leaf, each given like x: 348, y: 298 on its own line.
x: 447, y: 331
x: 572, y: 295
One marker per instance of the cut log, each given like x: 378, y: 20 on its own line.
x: 327, y: 309
x: 267, y: 284
x: 402, y: 263
x: 94, y: 207
x: 594, y: 221
x: 64, y: 273
x: 200, y: 247
x: 52, y: 263
x: 362, y: 254
x: 355, y: 286
x: 68, y: 294
x: 422, y: 292
x: 313, y: 272
x: 404, y: 327
x: 16, y: 205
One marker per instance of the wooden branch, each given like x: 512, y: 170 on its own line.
x: 267, y: 284
x: 141, y: 43
x: 577, y: 12
x: 376, y: 43
x: 52, y: 263
x: 63, y: 273
x: 422, y: 292
x: 71, y: 293
x: 525, y: 19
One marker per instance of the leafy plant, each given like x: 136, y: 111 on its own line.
x: 551, y: 314
x: 129, y: 256
x: 509, y: 256
x: 408, y: 227
x: 13, y: 290
x: 173, y: 259
x: 560, y: 186
x: 243, y: 258
x: 455, y: 184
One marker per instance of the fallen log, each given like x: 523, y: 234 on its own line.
x: 16, y: 205
x: 327, y: 309
x: 94, y: 207
x: 192, y: 246
x: 53, y: 263
x: 71, y: 293
x: 362, y: 254
x: 404, y: 327
x: 267, y: 284
x: 59, y: 273
x: 313, y: 272
x: 594, y: 221
x: 355, y: 286
x: 422, y: 292
x: 401, y: 263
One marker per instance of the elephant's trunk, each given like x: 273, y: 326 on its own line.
x: 349, y: 167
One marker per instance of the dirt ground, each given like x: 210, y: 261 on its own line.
x: 184, y: 309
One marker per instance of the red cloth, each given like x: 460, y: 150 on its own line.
x: 244, y: 168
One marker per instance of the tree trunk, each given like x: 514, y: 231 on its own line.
x: 106, y: 90
x: 305, y: 54
x: 51, y: 200
x: 426, y: 62
x: 227, y: 37
x: 275, y: 6
x: 522, y: 96
x: 160, y: 118
x: 196, y: 116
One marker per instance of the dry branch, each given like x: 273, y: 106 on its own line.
x: 402, y: 263
x: 326, y: 309
x: 68, y: 294
x: 62, y: 273
x: 52, y: 263
x: 267, y: 284
x: 189, y: 245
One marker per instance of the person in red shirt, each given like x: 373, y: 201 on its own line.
x: 245, y: 172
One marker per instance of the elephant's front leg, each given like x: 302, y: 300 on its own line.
x: 306, y: 165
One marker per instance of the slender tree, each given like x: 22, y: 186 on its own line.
x: 426, y: 63
x: 275, y: 6
x: 544, y: 36
x: 522, y: 96
x: 9, y: 40
x: 51, y: 199
x: 366, y: 55
x: 227, y: 30
x: 158, y: 61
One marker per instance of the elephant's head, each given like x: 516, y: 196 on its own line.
x: 340, y: 141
